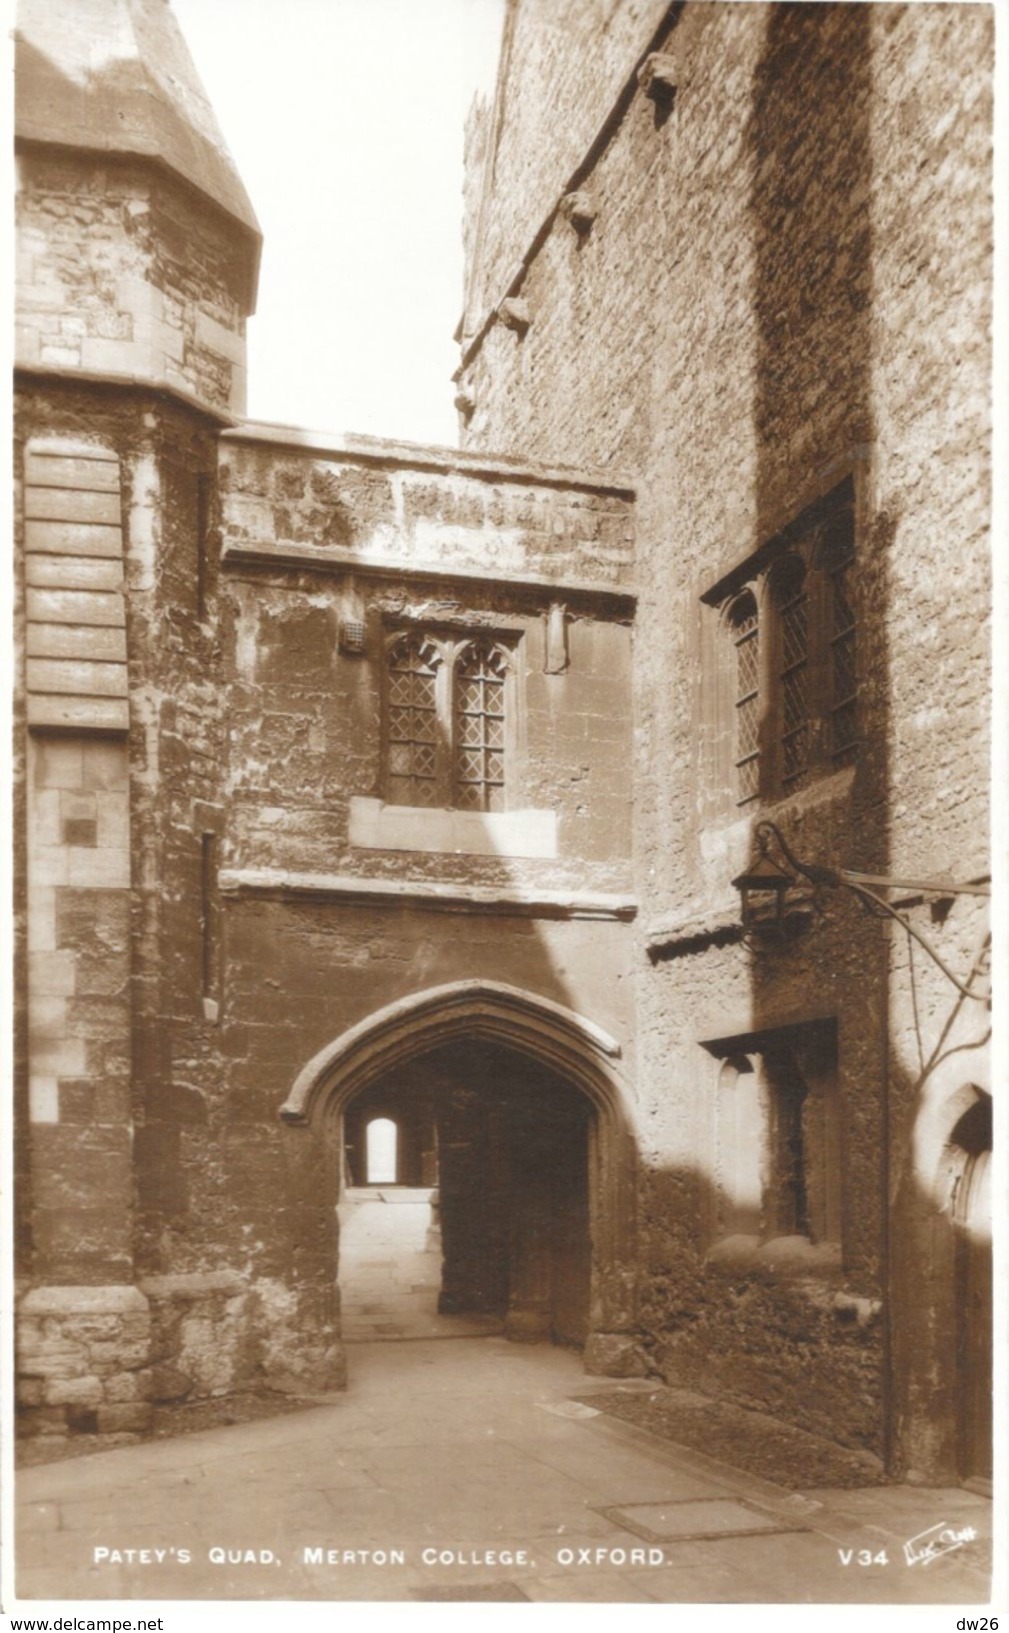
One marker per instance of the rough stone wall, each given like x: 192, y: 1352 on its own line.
x: 83, y: 1356
x: 308, y: 543
x: 79, y: 1010
x: 251, y: 733
x: 306, y: 716
x: 123, y: 272
x: 116, y: 821
x: 758, y: 310
x: 82, y: 1326
x: 563, y: 63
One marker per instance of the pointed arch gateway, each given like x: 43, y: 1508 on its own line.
x: 572, y: 1049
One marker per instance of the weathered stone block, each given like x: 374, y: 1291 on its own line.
x: 84, y: 1391
x: 76, y: 677
x: 168, y: 1383
x: 51, y: 974
x: 111, y: 1355
x: 73, y: 573
x: 74, y: 539
x: 134, y: 1417
x: 47, y: 467
x: 43, y: 1100
x: 42, y: 1420
x: 69, y: 505
x: 70, y: 641
x: 613, y: 1355
x: 123, y: 1387
x: 83, y: 713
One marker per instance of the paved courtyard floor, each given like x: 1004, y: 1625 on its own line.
x: 463, y: 1469
x: 391, y: 1267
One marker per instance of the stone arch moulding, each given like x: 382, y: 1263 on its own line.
x: 575, y: 1047
x: 936, y: 1151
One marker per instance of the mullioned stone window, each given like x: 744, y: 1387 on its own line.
x: 788, y: 653
x: 449, y: 721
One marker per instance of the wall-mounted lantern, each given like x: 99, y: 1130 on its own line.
x: 764, y: 888
x: 779, y: 899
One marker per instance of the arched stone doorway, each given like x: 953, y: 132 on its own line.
x: 535, y: 1170
x: 493, y: 1173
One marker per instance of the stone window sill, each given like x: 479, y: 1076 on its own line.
x: 377, y: 826
x: 824, y: 788
x: 787, y: 1255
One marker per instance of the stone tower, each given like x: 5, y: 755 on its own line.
x: 138, y: 256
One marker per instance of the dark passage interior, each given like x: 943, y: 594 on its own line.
x: 496, y: 1147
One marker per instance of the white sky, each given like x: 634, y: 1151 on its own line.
x: 345, y: 119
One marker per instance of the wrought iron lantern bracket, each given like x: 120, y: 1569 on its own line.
x: 765, y: 888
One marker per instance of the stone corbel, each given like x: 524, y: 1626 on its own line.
x: 515, y: 314
x: 579, y: 209
x: 657, y: 78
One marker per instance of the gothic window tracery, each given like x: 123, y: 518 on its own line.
x: 448, y: 725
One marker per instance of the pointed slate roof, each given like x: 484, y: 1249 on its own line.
x: 116, y: 76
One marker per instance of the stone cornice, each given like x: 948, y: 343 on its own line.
x: 432, y: 896
x: 33, y: 372
x: 316, y: 559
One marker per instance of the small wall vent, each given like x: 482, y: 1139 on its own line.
x: 352, y: 636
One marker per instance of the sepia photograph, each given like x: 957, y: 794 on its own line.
x: 501, y: 815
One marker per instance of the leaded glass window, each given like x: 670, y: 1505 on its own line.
x: 412, y: 723
x: 790, y: 673
x: 790, y: 598
x: 479, y: 759
x: 446, y: 721
x: 843, y: 674
x: 746, y: 634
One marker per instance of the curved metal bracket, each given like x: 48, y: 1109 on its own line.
x: 839, y: 878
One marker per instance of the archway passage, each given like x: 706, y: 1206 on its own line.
x: 489, y: 1215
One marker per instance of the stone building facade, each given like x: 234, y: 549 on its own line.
x: 365, y: 779
x: 750, y: 247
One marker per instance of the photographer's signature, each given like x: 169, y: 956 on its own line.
x: 937, y: 1540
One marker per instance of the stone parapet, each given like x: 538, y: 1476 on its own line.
x: 311, y: 502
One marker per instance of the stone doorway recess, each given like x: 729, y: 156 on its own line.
x: 518, y: 1103
x: 502, y: 1229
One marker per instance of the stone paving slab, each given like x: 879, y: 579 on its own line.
x: 446, y: 1447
